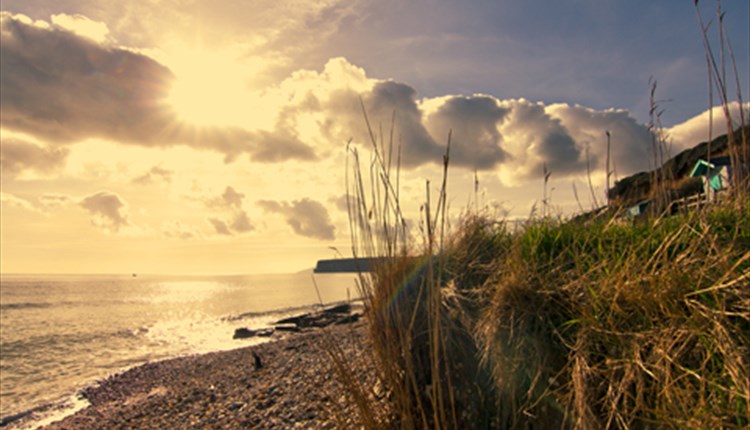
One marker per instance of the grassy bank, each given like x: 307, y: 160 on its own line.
x: 581, y: 324
x: 598, y: 321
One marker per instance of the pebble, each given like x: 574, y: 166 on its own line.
x: 223, y: 390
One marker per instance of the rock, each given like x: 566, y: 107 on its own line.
x: 349, y: 319
x: 322, y: 320
x: 288, y: 327
x: 243, y: 333
x: 339, y: 309
x: 293, y: 320
x: 15, y: 417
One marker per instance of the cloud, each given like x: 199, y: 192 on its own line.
x: 235, y: 218
x: 513, y: 137
x: 64, y: 88
x: 630, y: 141
x: 155, y: 173
x: 17, y: 156
x: 50, y: 200
x: 695, y: 130
x: 177, y: 230
x: 82, y: 26
x: 230, y: 198
x: 306, y: 217
x: 280, y: 145
x: 476, y: 142
x: 220, y: 226
x: 341, y: 202
x: 517, y: 137
x: 107, y: 210
x: 61, y: 87
x: 418, y: 147
x: 241, y: 223
x: 13, y: 201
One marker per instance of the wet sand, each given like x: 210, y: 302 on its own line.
x: 295, y: 386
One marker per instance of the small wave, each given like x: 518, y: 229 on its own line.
x: 292, y: 309
x: 7, y: 306
x: 41, y: 416
x: 69, y: 341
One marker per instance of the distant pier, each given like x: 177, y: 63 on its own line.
x: 347, y: 265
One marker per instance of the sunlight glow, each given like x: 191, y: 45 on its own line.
x: 212, y: 87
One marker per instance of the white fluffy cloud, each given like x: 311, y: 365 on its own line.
x: 82, y: 26
x: 694, y: 130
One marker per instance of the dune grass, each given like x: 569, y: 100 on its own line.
x: 592, y: 322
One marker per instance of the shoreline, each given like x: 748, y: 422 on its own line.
x: 295, y: 386
x: 64, y: 399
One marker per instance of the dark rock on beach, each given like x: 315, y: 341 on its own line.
x: 337, y: 315
x: 290, y: 383
x: 244, y: 333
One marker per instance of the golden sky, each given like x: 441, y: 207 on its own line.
x: 210, y: 137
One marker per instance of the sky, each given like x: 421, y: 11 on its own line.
x: 195, y: 137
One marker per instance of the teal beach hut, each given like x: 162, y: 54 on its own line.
x: 716, y: 175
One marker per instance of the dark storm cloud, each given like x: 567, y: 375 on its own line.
x: 476, y: 142
x: 306, y: 217
x: 64, y: 88
x: 17, y: 156
x: 107, y: 210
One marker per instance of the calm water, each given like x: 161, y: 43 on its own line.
x: 61, y: 333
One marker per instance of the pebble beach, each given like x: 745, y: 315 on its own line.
x: 288, y: 383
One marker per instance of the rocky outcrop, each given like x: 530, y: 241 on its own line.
x: 244, y: 333
x: 334, y: 315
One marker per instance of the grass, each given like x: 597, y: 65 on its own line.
x: 593, y: 322
x: 596, y: 324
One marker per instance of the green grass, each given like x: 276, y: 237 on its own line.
x: 591, y: 322
x: 602, y: 324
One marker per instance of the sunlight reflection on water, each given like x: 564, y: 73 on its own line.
x: 61, y: 333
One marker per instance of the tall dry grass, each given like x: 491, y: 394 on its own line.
x: 588, y: 323
x: 595, y: 324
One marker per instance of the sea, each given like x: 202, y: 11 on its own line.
x: 62, y: 333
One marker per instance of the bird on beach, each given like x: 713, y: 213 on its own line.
x: 258, y: 363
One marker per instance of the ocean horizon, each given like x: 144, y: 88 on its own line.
x: 64, y: 332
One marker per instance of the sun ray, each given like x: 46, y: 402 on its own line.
x: 212, y: 87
